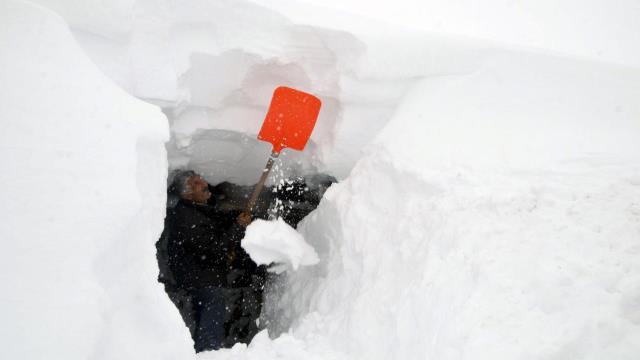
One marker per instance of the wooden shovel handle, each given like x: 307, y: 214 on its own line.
x: 260, y: 184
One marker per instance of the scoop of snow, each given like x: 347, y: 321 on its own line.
x: 276, y: 242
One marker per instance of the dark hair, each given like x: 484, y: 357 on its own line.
x: 179, y: 185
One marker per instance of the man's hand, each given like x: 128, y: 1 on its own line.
x: 231, y: 255
x: 244, y: 219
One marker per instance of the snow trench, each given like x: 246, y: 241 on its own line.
x: 488, y: 204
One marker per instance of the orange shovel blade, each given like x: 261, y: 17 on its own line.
x: 290, y: 119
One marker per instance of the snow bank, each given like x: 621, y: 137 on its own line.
x: 83, y: 178
x: 517, y: 265
x: 496, y: 217
x: 275, y: 241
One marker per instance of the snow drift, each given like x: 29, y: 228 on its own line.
x: 504, y: 225
x: 83, y: 169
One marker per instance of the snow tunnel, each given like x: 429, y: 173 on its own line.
x: 222, y: 94
x: 224, y: 97
x: 213, y: 134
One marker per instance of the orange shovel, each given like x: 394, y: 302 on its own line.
x: 288, y: 124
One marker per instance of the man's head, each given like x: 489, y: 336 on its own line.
x: 191, y: 186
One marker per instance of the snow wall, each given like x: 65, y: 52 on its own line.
x: 489, y: 206
x: 83, y: 197
x: 504, y: 225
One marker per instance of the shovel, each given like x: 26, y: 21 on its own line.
x: 288, y: 124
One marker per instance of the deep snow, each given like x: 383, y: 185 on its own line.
x: 83, y: 169
x: 489, y: 203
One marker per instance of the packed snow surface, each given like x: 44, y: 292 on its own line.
x: 488, y: 204
x: 276, y: 242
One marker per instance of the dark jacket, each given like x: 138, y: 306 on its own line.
x: 241, y: 268
x: 200, y: 245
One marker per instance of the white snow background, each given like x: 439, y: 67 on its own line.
x: 488, y: 157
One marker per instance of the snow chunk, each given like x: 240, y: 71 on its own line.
x: 276, y: 242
